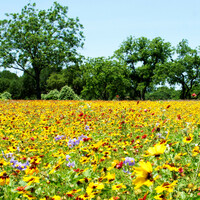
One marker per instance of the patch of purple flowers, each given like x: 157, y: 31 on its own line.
x: 59, y: 137
x: 73, y: 142
x: 130, y: 161
x: 70, y: 164
x: 19, y: 165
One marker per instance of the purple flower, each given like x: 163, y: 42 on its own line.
x: 13, y: 161
x: 160, y: 135
x: 71, y: 164
x: 130, y: 161
x: 59, y: 137
x: 74, y: 141
x: 3, y: 155
x: 87, y: 128
x: 127, y: 172
x: 67, y: 157
x: 19, y: 165
x: 71, y: 143
x: 8, y: 155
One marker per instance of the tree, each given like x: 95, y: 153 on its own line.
x: 142, y: 56
x: 163, y: 93
x: 6, y: 79
x: 73, y: 76
x: 15, y: 89
x: 104, y: 79
x: 39, y: 39
x: 184, y: 70
x: 55, y: 81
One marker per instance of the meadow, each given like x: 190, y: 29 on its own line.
x: 56, y: 150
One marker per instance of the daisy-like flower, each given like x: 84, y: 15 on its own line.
x: 157, y: 150
x: 188, y: 139
x: 31, y: 179
x: 109, y: 177
x: 195, y: 151
x: 57, y: 166
x: 166, y: 187
x: 143, y: 175
x: 93, y: 188
x: 4, y: 178
x: 119, y: 186
x: 161, y: 197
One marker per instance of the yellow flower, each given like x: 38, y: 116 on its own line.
x: 57, y: 166
x: 161, y: 197
x: 3, y: 162
x: 110, y: 177
x: 166, y: 187
x: 157, y: 150
x: 30, y: 171
x: 31, y: 179
x: 188, y: 139
x: 119, y: 186
x: 195, y: 151
x: 143, y: 175
x: 55, y: 197
x: 29, y: 197
x: 4, y: 178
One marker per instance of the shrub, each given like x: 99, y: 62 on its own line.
x: 52, y: 95
x: 67, y: 93
x: 5, y: 96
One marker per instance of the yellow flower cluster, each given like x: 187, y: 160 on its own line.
x: 99, y: 150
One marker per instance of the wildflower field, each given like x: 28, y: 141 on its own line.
x: 110, y: 150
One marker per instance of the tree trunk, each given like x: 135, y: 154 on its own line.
x: 143, y: 92
x: 183, y: 91
x: 37, y: 80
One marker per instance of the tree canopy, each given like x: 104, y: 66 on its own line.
x: 142, y: 56
x: 38, y: 39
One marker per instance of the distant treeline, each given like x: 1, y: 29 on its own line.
x: 44, y: 46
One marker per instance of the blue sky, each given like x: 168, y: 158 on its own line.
x: 107, y: 23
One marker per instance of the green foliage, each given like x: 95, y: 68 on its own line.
x: 142, y: 56
x: 55, y: 81
x: 28, y: 87
x: 8, y: 75
x: 104, y: 79
x: 39, y: 39
x: 184, y: 70
x: 52, y: 95
x: 15, y: 89
x: 163, y: 93
x: 5, y: 96
x: 4, y: 84
x: 6, y: 79
x: 67, y: 93
x: 73, y: 76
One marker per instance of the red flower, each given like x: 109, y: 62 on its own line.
x: 180, y: 170
x: 144, y: 136
x: 86, y: 139
x: 194, y: 95
x: 70, y: 195
x: 168, y: 106
x: 81, y: 114
x: 153, y: 129
x: 144, y: 198
x: 119, y: 165
x: 20, y: 188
